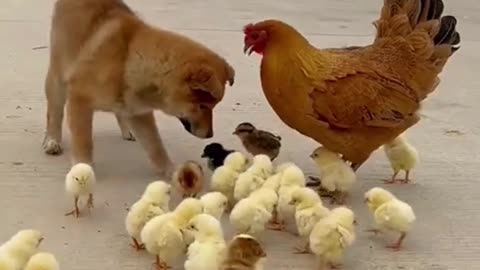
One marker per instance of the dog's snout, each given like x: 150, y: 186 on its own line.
x: 209, y: 133
x: 196, y: 130
x: 186, y: 124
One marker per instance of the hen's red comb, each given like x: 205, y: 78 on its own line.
x: 248, y: 28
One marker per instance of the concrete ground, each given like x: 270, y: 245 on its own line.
x: 444, y: 195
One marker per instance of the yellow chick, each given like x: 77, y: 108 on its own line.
x: 162, y: 235
x: 331, y: 236
x: 224, y: 177
x: 154, y: 202
x: 6, y: 263
x: 21, y: 246
x: 253, y: 178
x: 80, y: 181
x: 214, y: 204
x: 309, y: 210
x: 250, y: 215
x: 209, y: 248
x: 42, y: 261
x: 402, y: 156
x: 280, y: 168
x: 246, y: 183
x: 390, y: 214
x: 291, y: 178
x: 261, y: 166
x: 337, y: 177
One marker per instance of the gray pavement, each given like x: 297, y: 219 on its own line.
x: 444, y: 196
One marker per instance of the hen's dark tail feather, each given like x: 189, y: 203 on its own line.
x: 448, y: 33
x: 423, y: 16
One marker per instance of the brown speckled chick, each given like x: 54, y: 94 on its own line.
x: 243, y: 253
x: 189, y: 179
x: 258, y: 141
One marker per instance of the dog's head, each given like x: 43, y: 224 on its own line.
x: 198, y: 88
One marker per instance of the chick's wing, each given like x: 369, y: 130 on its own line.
x: 355, y: 91
x: 267, y: 140
x: 325, y: 236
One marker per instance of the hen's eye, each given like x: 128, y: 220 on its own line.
x: 254, y: 35
x: 203, y: 107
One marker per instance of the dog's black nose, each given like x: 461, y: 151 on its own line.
x: 186, y: 124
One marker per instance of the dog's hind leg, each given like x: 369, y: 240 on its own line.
x: 56, y: 96
x: 124, y: 128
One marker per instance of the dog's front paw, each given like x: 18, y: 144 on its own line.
x: 128, y: 136
x: 165, y: 169
x: 51, y: 146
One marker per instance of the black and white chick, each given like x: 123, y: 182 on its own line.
x: 257, y: 141
x: 216, y: 154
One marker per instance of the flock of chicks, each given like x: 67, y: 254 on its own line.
x: 257, y: 194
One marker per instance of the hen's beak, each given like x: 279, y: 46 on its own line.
x: 204, y: 155
x: 248, y: 49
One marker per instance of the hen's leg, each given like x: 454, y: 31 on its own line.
x: 75, y: 212
x: 397, y: 245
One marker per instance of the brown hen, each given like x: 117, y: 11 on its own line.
x: 353, y: 100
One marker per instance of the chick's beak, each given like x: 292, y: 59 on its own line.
x: 247, y: 49
x: 203, y: 155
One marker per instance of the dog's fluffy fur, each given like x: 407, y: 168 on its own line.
x: 105, y: 58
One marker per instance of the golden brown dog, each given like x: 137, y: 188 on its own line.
x: 104, y: 58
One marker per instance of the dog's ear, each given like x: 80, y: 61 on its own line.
x: 203, y: 81
x: 230, y: 74
x: 198, y: 74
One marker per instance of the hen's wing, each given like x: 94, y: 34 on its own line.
x: 352, y: 92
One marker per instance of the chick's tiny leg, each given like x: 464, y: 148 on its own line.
x: 305, y: 249
x: 160, y: 265
x: 146, y: 131
x: 137, y: 245
x: 90, y: 202
x: 407, y: 177
x: 75, y: 212
x: 375, y: 231
x: 393, y: 179
x: 397, y: 245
